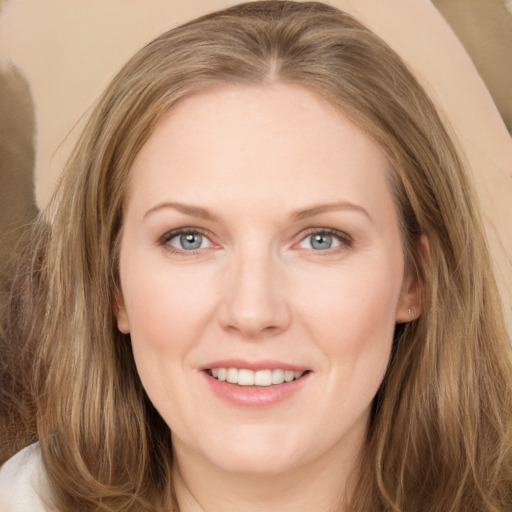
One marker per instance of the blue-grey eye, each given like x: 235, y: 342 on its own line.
x: 191, y: 241
x: 320, y: 241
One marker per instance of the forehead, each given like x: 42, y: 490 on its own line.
x: 261, y: 143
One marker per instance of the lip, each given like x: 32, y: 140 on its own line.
x: 254, y: 365
x: 254, y: 396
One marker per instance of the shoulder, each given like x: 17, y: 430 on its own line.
x: 22, y: 482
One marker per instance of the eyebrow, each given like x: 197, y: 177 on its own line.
x: 187, y: 209
x: 329, y: 207
x: 203, y: 213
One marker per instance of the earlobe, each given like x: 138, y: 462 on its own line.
x: 409, y: 305
x: 123, y: 323
x: 410, y: 302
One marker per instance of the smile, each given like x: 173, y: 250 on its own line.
x: 245, y: 377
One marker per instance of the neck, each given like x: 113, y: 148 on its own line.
x: 321, y: 485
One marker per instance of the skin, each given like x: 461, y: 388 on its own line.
x: 254, y: 158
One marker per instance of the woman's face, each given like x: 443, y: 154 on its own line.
x: 261, y: 244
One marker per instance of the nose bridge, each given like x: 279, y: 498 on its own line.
x: 254, y: 303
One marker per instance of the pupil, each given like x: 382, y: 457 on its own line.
x: 191, y: 241
x: 321, y: 241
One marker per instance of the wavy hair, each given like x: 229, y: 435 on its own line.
x: 441, y: 430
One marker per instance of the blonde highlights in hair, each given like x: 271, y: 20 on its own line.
x: 440, y: 436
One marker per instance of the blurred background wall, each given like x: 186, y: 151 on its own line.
x: 484, y: 27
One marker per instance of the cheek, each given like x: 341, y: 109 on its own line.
x: 167, y: 310
x: 167, y: 316
x: 351, y: 315
x: 358, y: 350
x: 362, y: 296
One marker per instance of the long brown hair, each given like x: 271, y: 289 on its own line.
x: 441, y: 429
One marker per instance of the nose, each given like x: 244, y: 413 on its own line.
x: 254, y: 303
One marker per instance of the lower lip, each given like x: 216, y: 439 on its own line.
x: 255, y: 396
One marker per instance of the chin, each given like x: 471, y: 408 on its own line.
x: 253, y: 451
x: 257, y: 462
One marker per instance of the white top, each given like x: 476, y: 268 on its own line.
x: 22, y: 482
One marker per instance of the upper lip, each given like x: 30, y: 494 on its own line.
x: 254, y: 365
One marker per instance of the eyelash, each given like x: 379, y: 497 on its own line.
x: 165, y: 239
x: 343, y: 238
x: 346, y: 241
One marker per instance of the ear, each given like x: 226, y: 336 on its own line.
x: 123, y: 323
x: 409, y: 304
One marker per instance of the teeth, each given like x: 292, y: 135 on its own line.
x: 263, y: 378
x: 277, y: 376
x: 232, y: 375
x: 244, y: 377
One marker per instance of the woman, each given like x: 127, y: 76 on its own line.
x: 263, y: 283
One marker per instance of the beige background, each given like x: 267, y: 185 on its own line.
x: 56, y: 56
